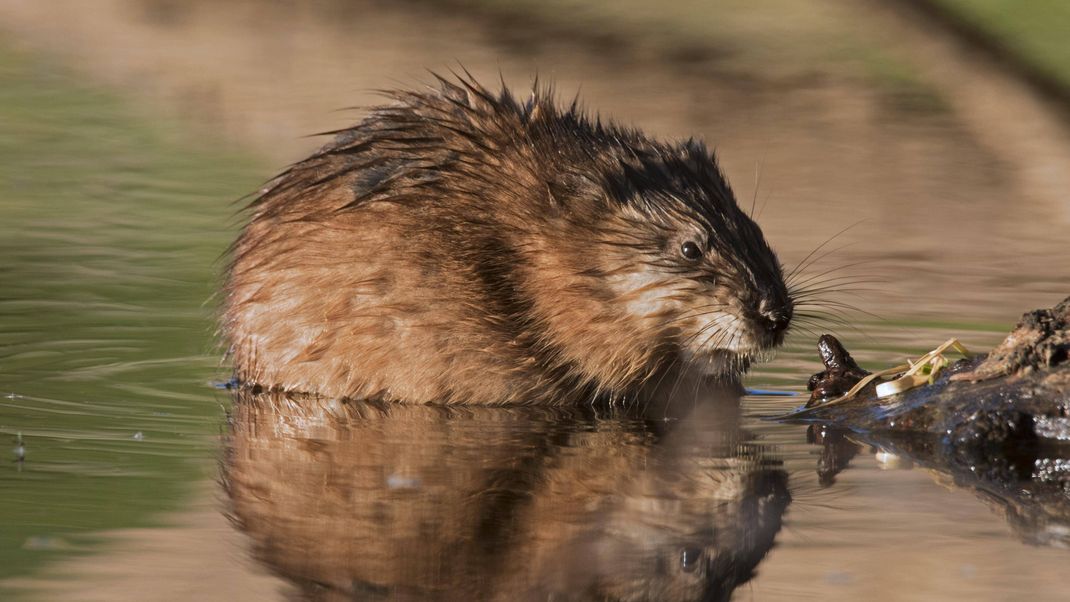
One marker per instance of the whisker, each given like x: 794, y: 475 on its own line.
x: 713, y: 324
x: 801, y: 326
x: 827, y: 321
x: 716, y: 307
x: 844, y: 280
x: 800, y: 265
x: 822, y: 257
x: 839, y: 321
x: 853, y: 291
x: 837, y: 268
x: 822, y: 328
x: 837, y: 282
x: 765, y: 203
x: 842, y: 305
x: 757, y: 183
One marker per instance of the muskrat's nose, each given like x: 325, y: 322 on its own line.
x: 777, y: 317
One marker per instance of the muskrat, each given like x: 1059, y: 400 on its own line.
x: 462, y: 246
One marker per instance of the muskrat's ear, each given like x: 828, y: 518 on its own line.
x: 569, y: 188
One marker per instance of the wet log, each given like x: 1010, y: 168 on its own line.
x: 1019, y: 392
x: 997, y: 425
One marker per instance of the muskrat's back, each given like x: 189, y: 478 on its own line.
x: 460, y: 246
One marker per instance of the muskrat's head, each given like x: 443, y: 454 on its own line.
x: 695, y: 263
x: 682, y: 271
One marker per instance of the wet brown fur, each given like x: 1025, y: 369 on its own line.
x: 461, y: 246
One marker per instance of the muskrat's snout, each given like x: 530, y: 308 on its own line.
x: 773, y: 310
x: 765, y: 313
x: 765, y: 324
x: 776, y: 317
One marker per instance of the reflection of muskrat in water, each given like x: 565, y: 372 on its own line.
x: 381, y: 501
x: 460, y: 246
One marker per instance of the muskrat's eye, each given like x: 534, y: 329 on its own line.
x: 689, y: 559
x: 691, y: 250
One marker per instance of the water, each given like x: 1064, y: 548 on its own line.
x: 114, y: 212
x: 109, y: 238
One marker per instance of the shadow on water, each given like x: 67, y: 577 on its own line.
x: 419, y: 502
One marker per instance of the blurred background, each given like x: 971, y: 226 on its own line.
x: 923, y: 144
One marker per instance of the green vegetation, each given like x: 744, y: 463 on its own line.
x: 110, y: 234
x: 1036, y: 31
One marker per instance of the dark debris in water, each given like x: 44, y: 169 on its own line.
x: 965, y: 405
x: 840, y: 374
x: 227, y: 385
x: 999, y: 425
